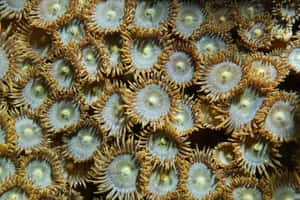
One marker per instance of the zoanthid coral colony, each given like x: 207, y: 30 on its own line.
x: 150, y: 99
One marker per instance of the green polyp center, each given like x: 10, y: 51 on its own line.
x: 163, y: 140
x: 1, y: 170
x: 66, y: 114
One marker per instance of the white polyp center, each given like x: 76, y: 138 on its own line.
x: 65, y: 70
x: 188, y: 19
x: 28, y: 131
x: 201, y: 180
x: 38, y: 173
x: 66, y: 113
x: 226, y: 75
x: 153, y: 100
x: 180, y: 65
x: 298, y: 58
x: 111, y: 13
x: 257, y: 32
x: 125, y: 171
x: 147, y: 51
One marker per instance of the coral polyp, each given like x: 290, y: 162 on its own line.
x: 150, y: 99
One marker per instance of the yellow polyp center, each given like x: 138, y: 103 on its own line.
x: 114, y: 49
x: 147, y: 51
x: 26, y: 68
x: 257, y: 147
x: 65, y: 70
x: 250, y: 10
x: 245, y: 103
x: 164, y: 177
x: 222, y: 19
x: 1, y: 170
x: 111, y: 13
x: 70, y: 165
x: 94, y: 89
x: 87, y: 139
x: 226, y: 75
x: 180, y: 65
x: 90, y: 57
x: 209, y: 47
x: 298, y: 58
x: 152, y: 100
x: 261, y: 72
x: 229, y: 156
x: 38, y: 173
x: 257, y: 32
x: 74, y: 31
x: 247, y: 197
x: 39, y: 89
x: 150, y: 12
x: 201, y: 180
x: 279, y: 116
x: 163, y: 140
x: 15, y: 196
x: 56, y: 7
x: 28, y: 131
x: 288, y: 198
x: 126, y: 171
x: 66, y: 113
x: 179, y: 118
x: 188, y: 19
